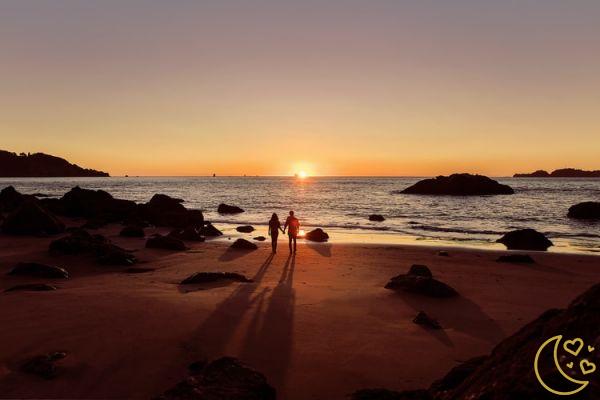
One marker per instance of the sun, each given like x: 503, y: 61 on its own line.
x: 301, y: 175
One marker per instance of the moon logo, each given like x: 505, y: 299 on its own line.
x: 580, y: 384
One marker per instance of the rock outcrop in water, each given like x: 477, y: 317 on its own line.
x: 507, y: 373
x: 586, y: 210
x: 228, y: 209
x: 525, y: 239
x: 458, y: 185
x: 561, y: 173
x: 41, y: 165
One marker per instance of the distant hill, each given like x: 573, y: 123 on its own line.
x: 41, y: 165
x: 561, y: 173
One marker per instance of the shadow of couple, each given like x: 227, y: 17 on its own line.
x: 266, y: 342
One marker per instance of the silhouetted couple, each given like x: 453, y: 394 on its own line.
x: 291, y: 224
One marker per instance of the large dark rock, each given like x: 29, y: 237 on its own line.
x: 508, y: 372
x: 165, y: 242
x: 163, y: 210
x: 222, y: 379
x: 245, y: 229
x: 211, y: 277
x: 586, y: 210
x: 43, y: 365
x: 39, y: 270
x: 132, y: 231
x: 31, y: 287
x: 10, y: 199
x: 243, y: 244
x: 420, y: 280
x: 317, y: 235
x: 376, y: 218
x: 525, y: 239
x: 82, y: 242
x: 459, y: 185
x: 190, y: 233
x: 100, y: 206
x: 31, y: 219
x: 227, y: 209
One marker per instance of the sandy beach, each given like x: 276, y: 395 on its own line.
x: 319, y: 325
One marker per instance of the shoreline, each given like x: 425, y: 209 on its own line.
x: 133, y: 335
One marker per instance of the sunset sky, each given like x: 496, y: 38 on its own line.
x: 269, y: 87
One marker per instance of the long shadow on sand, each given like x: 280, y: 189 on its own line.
x: 267, y: 342
x: 460, y: 314
x: 218, y: 328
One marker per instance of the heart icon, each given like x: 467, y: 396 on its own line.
x: 570, y: 365
x: 587, y: 367
x: 573, y: 346
x: 591, y: 348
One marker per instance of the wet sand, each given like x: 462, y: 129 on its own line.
x: 319, y: 324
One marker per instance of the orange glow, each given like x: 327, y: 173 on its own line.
x: 302, y: 175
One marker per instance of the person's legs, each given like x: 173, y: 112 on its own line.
x: 290, y: 242
x: 274, y: 243
x: 294, y: 244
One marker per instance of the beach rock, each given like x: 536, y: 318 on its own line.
x: 39, y: 270
x: 459, y: 185
x: 384, y: 394
x: 132, y: 231
x: 260, y: 238
x: 210, y: 231
x: 516, y: 259
x: 227, y: 209
x: 507, y: 372
x: 525, y: 239
x: 138, y: 270
x: 31, y: 219
x: 10, y: 199
x: 98, y: 205
x: 223, y: 379
x: 586, y: 210
x: 210, y: 277
x: 165, y: 242
x: 420, y: 270
x: 317, y: 235
x: 420, y: 280
x: 166, y: 203
x: 243, y: 244
x: 82, y: 242
x: 443, y: 254
x: 31, y: 287
x: 376, y: 218
x: 245, y: 229
x: 43, y: 365
x: 425, y: 320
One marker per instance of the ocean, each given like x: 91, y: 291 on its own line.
x: 341, y: 206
